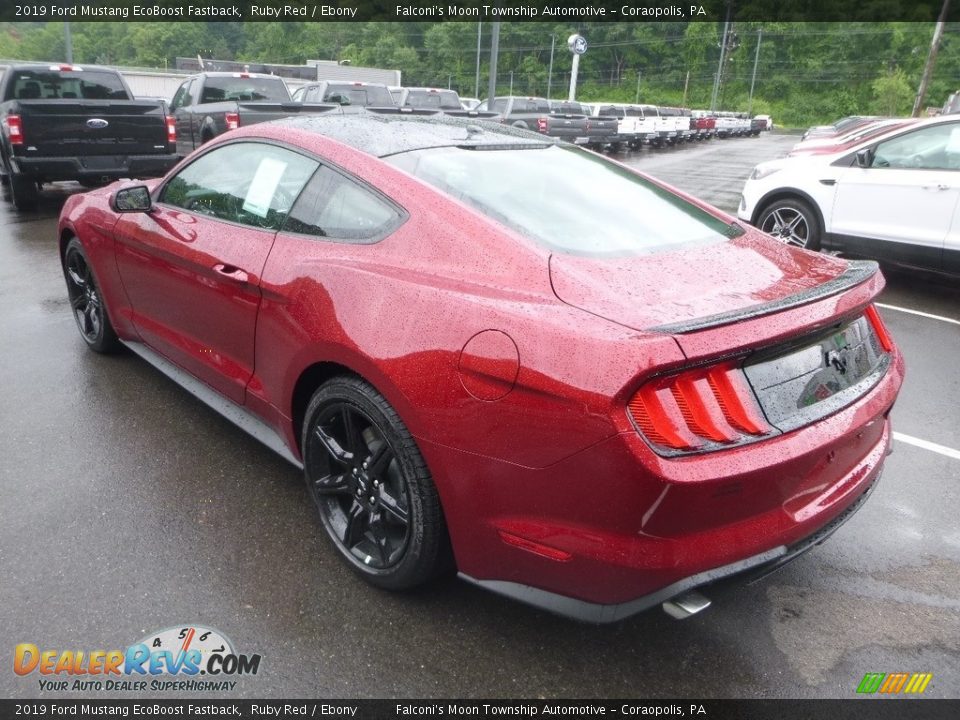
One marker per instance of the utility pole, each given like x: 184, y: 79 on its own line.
x: 553, y: 42
x: 68, y: 41
x: 723, y: 56
x: 494, y: 53
x: 686, y: 84
x: 476, y: 86
x: 756, y: 60
x: 511, y: 83
x: 931, y: 59
x: 639, y: 75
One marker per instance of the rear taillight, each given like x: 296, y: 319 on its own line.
x: 233, y: 120
x: 876, y: 322
x: 541, y: 124
x: 171, y: 129
x: 14, y: 129
x: 701, y: 409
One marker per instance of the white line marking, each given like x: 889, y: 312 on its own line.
x: 927, y: 445
x: 941, y: 318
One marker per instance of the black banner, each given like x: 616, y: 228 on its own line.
x: 854, y: 709
x: 565, y: 11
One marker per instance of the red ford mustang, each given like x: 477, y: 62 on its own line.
x: 586, y: 390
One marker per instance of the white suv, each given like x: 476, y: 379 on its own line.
x: 895, y: 197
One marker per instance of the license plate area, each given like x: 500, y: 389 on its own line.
x: 819, y: 376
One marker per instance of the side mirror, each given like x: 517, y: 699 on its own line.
x: 865, y: 158
x: 135, y: 198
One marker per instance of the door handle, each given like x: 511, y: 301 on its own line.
x: 231, y: 272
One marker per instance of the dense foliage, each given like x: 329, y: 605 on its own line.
x: 805, y: 72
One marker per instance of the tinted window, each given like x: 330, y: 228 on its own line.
x: 499, y: 105
x: 362, y: 95
x: 567, y: 199
x: 248, y: 183
x: 80, y: 84
x: 241, y: 89
x: 332, y: 206
x: 446, y: 100
x: 181, y: 97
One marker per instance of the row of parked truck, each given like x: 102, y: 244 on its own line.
x: 65, y: 122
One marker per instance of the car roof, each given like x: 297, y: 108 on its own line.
x: 382, y: 135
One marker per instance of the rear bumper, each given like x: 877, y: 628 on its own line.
x: 99, y: 167
x: 615, y: 529
x: 749, y: 569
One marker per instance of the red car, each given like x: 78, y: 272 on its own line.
x: 492, y: 351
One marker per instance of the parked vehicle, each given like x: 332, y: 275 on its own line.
x: 767, y: 122
x: 210, y: 103
x: 486, y: 348
x: 347, y: 94
x: 67, y: 122
x: 678, y: 119
x: 601, y: 131
x: 444, y: 101
x: 891, y: 198
x: 535, y: 113
x: 840, y: 127
x: 705, y: 123
x: 825, y: 146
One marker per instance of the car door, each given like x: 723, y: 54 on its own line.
x: 902, y: 206
x: 191, y: 266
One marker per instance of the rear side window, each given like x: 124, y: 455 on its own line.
x: 333, y: 206
x: 248, y: 183
x: 65, y: 84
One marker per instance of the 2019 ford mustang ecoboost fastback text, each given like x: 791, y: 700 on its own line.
x: 494, y: 352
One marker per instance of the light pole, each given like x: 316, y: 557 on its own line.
x: 494, y: 52
x: 476, y: 86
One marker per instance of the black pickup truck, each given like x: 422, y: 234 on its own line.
x: 535, y: 113
x: 65, y: 122
x: 210, y: 103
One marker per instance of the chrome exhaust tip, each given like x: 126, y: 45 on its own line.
x: 683, y: 606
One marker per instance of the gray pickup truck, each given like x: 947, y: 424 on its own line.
x: 446, y: 101
x: 535, y: 113
x: 66, y: 122
x: 210, y: 103
x: 601, y: 131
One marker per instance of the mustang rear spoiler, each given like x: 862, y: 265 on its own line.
x: 857, y: 272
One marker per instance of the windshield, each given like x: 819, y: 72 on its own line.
x: 567, y: 199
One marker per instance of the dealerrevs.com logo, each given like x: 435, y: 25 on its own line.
x: 894, y: 683
x: 185, y: 658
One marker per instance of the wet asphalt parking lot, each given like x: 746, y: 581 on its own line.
x: 127, y: 506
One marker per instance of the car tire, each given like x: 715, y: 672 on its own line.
x: 23, y: 192
x: 86, y: 301
x: 792, y: 221
x: 371, y: 486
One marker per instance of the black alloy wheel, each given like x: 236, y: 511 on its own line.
x: 371, y: 486
x: 86, y: 301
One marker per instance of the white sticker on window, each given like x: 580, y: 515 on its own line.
x: 264, y: 185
